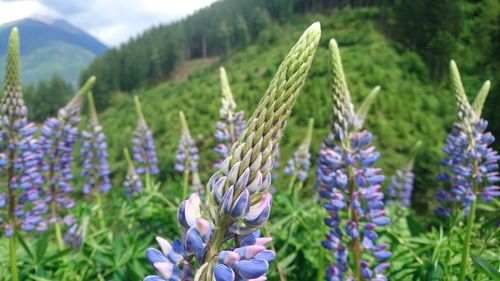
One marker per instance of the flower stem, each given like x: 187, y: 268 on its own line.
x: 148, y: 182
x: 355, y: 244
x: 468, y: 234
x: 59, y: 239
x: 292, y: 181
x: 470, y: 223
x: 12, y: 219
x: 185, y: 185
x: 100, y: 213
x: 13, y: 258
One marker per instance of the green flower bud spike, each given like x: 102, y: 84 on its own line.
x: 478, y: 103
x: 12, y: 102
x: 465, y: 111
x: 364, y: 108
x: 342, y: 106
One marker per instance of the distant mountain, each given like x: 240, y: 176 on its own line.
x: 50, y: 46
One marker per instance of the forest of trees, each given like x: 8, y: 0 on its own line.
x: 46, y: 97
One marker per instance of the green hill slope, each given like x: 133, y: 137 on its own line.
x: 53, y: 58
x: 406, y: 110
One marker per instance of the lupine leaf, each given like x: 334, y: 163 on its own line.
x: 485, y: 267
x: 41, y: 247
x: 25, y: 246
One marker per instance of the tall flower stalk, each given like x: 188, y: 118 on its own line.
x: 470, y: 163
x: 239, y: 201
x: 401, y: 187
x: 231, y: 123
x: 94, y: 155
x: 187, y: 155
x: 351, y: 187
x: 133, y: 183
x: 298, y: 167
x: 57, y: 143
x: 18, y: 159
x: 143, y: 147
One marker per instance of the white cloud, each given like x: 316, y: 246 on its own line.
x: 112, y: 21
x: 16, y: 10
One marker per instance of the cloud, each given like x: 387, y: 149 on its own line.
x: 112, y: 21
x: 16, y: 10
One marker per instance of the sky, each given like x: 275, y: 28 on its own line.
x: 111, y: 21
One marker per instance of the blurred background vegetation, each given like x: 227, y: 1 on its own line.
x: 404, y: 46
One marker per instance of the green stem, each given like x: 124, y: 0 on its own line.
x: 59, y: 239
x: 470, y: 223
x: 355, y: 244
x: 468, y: 234
x: 185, y: 186
x: 13, y: 258
x: 100, y: 213
x: 12, y: 220
x: 148, y: 182
x: 296, y: 193
x: 292, y: 181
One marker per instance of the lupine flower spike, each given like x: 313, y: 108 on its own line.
x: 187, y: 157
x: 351, y: 187
x: 239, y: 201
x: 143, y: 147
x: 298, y: 166
x: 57, y: 142
x: 471, y: 168
x: 231, y: 123
x: 133, y: 182
x: 94, y: 155
x: 401, y: 187
x: 18, y: 157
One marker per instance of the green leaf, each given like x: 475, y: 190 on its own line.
x: 25, y: 246
x: 414, y: 227
x: 437, y: 273
x: 485, y: 267
x: 41, y: 247
x: 58, y: 255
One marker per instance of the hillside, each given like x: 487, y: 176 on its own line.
x: 51, y: 46
x: 407, y: 109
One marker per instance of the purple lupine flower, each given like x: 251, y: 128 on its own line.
x: 19, y: 155
x: 350, y: 186
x: 133, y: 183
x: 143, y: 146
x: 301, y: 161
x: 401, y: 187
x: 187, y: 154
x: 238, y: 201
x: 94, y: 153
x: 231, y: 123
x: 56, y: 146
x: 470, y: 164
x: 75, y: 234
